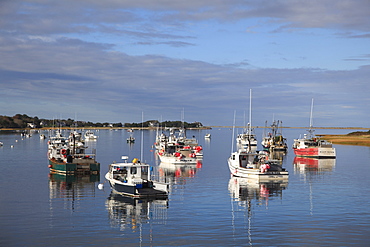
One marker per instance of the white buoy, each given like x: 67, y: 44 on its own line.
x: 100, y: 186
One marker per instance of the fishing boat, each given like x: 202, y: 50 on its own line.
x: 312, y: 146
x: 274, y: 140
x: 178, y: 149
x: 247, y: 140
x: 247, y: 162
x: 256, y: 165
x: 90, y: 136
x: 178, y: 153
x: 208, y: 135
x: 130, y: 139
x: 134, y: 179
x: 68, y: 155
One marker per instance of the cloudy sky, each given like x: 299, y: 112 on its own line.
x: 109, y: 61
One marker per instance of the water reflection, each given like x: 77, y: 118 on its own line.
x: 131, y: 213
x: 244, y: 190
x: 245, y: 193
x: 310, y: 169
x: 71, y: 187
x: 313, y: 166
x: 177, y: 174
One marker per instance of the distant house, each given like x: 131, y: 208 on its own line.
x: 31, y: 125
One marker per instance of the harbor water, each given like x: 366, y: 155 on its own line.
x: 324, y: 202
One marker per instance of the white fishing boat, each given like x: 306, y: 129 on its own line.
x: 90, y: 136
x: 178, y: 149
x: 134, y: 179
x: 208, y: 135
x: 255, y: 165
x: 247, y: 140
x: 176, y: 153
x: 249, y: 163
x: 312, y: 146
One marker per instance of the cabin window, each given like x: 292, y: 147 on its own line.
x: 144, y: 170
x: 133, y: 170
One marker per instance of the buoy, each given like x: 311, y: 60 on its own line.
x: 100, y: 186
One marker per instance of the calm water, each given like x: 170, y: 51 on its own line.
x: 323, y: 204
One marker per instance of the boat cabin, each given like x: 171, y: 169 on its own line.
x: 131, y: 173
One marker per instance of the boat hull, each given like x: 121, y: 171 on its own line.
x: 137, y: 191
x: 74, y: 168
x: 319, y: 152
x: 176, y: 161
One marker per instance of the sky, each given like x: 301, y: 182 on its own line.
x: 194, y: 61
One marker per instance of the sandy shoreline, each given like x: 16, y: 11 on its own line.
x: 359, y: 140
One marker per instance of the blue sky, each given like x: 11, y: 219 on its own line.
x: 109, y: 61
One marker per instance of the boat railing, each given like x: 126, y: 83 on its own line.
x: 84, y: 155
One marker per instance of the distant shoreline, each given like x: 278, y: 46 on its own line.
x: 155, y: 128
x: 357, y: 140
x: 93, y: 128
x: 345, y: 139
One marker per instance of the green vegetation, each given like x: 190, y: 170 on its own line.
x: 21, y: 121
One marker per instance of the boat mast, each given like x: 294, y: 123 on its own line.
x: 250, y: 120
x: 250, y: 112
x: 232, y: 138
x: 311, y: 128
x: 311, y: 114
x: 142, y: 137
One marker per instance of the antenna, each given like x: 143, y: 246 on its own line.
x: 232, y: 138
x: 250, y: 107
x: 142, y: 137
x: 311, y: 130
x: 311, y: 114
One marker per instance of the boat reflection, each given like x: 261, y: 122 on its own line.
x: 177, y: 174
x: 132, y: 213
x: 72, y: 187
x: 61, y: 186
x: 244, y: 190
x: 311, y: 169
x: 306, y: 165
x: 246, y: 193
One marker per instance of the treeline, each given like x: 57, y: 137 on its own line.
x: 156, y: 123
x: 22, y: 121
x: 25, y: 121
x: 359, y: 133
